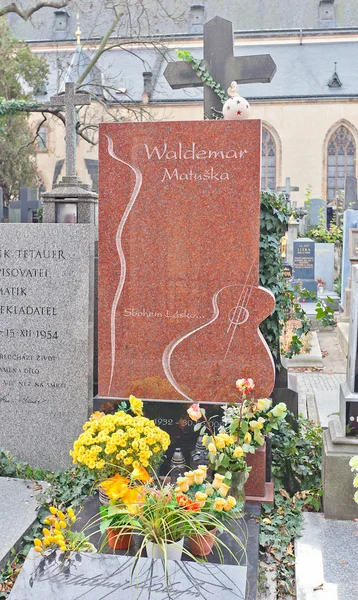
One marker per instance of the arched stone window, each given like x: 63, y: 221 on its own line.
x: 268, y: 161
x: 341, y: 152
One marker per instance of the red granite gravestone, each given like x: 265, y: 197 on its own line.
x: 179, y: 301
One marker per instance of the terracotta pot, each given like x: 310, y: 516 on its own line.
x: 202, y: 545
x: 119, y: 538
x: 174, y: 550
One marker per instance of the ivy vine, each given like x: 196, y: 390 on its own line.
x: 200, y: 69
x: 12, y: 107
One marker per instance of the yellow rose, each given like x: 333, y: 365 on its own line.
x: 238, y: 452
x: 230, y: 503
x: 218, y: 479
x: 136, y: 405
x: 219, y: 504
x: 212, y: 448
x: 209, y: 490
x: 219, y: 442
x: 223, y: 490
x: 204, y: 469
x: 198, y: 476
x: 183, y: 484
x: 247, y: 438
x: 205, y: 439
x: 264, y: 403
x: 189, y: 475
x: 201, y: 498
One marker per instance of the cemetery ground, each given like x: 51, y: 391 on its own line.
x: 296, y: 469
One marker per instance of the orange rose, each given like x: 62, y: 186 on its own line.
x: 141, y: 474
x: 245, y: 386
x: 193, y: 506
x: 194, y: 412
x: 182, y: 500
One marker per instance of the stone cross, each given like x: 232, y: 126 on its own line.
x: 288, y: 189
x: 25, y: 203
x: 70, y: 100
x: 223, y: 66
x: 1, y: 206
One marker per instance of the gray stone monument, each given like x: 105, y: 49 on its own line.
x: 324, y: 264
x: 292, y: 234
x: 316, y: 212
x: 340, y: 440
x: 222, y: 65
x: 46, y: 333
x: 350, y: 220
x: 304, y: 264
x: 70, y: 193
x: 353, y: 259
x: 26, y: 204
x: 350, y: 194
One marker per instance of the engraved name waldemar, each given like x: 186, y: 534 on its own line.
x: 180, y: 152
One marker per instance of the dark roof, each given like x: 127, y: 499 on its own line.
x: 245, y: 15
x: 303, y: 71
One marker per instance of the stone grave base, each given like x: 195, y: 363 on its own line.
x: 337, y: 476
x: 246, y: 529
x: 18, y: 511
x: 326, y: 559
x: 313, y: 358
x: 327, y: 405
x: 96, y: 576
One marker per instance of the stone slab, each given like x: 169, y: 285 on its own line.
x: 350, y: 220
x: 18, y: 511
x: 313, y: 358
x: 46, y: 333
x: 104, y: 576
x: 324, y: 264
x: 326, y: 559
x: 337, y: 477
x: 327, y: 405
x: 343, y: 336
x: 179, y: 261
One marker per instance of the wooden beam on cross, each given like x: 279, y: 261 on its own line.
x: 223, y: 66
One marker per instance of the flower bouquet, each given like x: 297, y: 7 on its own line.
x: 210, y: 500
x: 120, y: 442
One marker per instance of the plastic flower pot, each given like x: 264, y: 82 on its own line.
x: 173, y: 550
x: 103, y: 497
x: 202, y: 545
x: 119, y: 538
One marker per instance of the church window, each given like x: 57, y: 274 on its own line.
x: 268, y: 161
x: 340, y: 162
x: 42, y: 139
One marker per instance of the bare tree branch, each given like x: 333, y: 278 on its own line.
x: 26, y: 14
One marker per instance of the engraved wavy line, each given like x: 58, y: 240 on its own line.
x: 167, y: 354
x: 122, y: 258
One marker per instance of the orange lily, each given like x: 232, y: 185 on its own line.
x: 141, y: 474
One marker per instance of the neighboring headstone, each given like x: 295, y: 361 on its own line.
x: 292, y: 234
x: 18, y: 509
x: 287, y: 272
x: 223, y: 66
x: 287, y: 189
x: 353, y: 259
x: 96, y: 576
x: 304, y: 264
x: 22, y: 210
x: 316, y: 212
x: 340, y: 441
x: 46, y: 334
x: 326, y: 559
x: 179, y: 301
x: 350, y: 221
x: 324, y: 264
x: 350, y: 194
